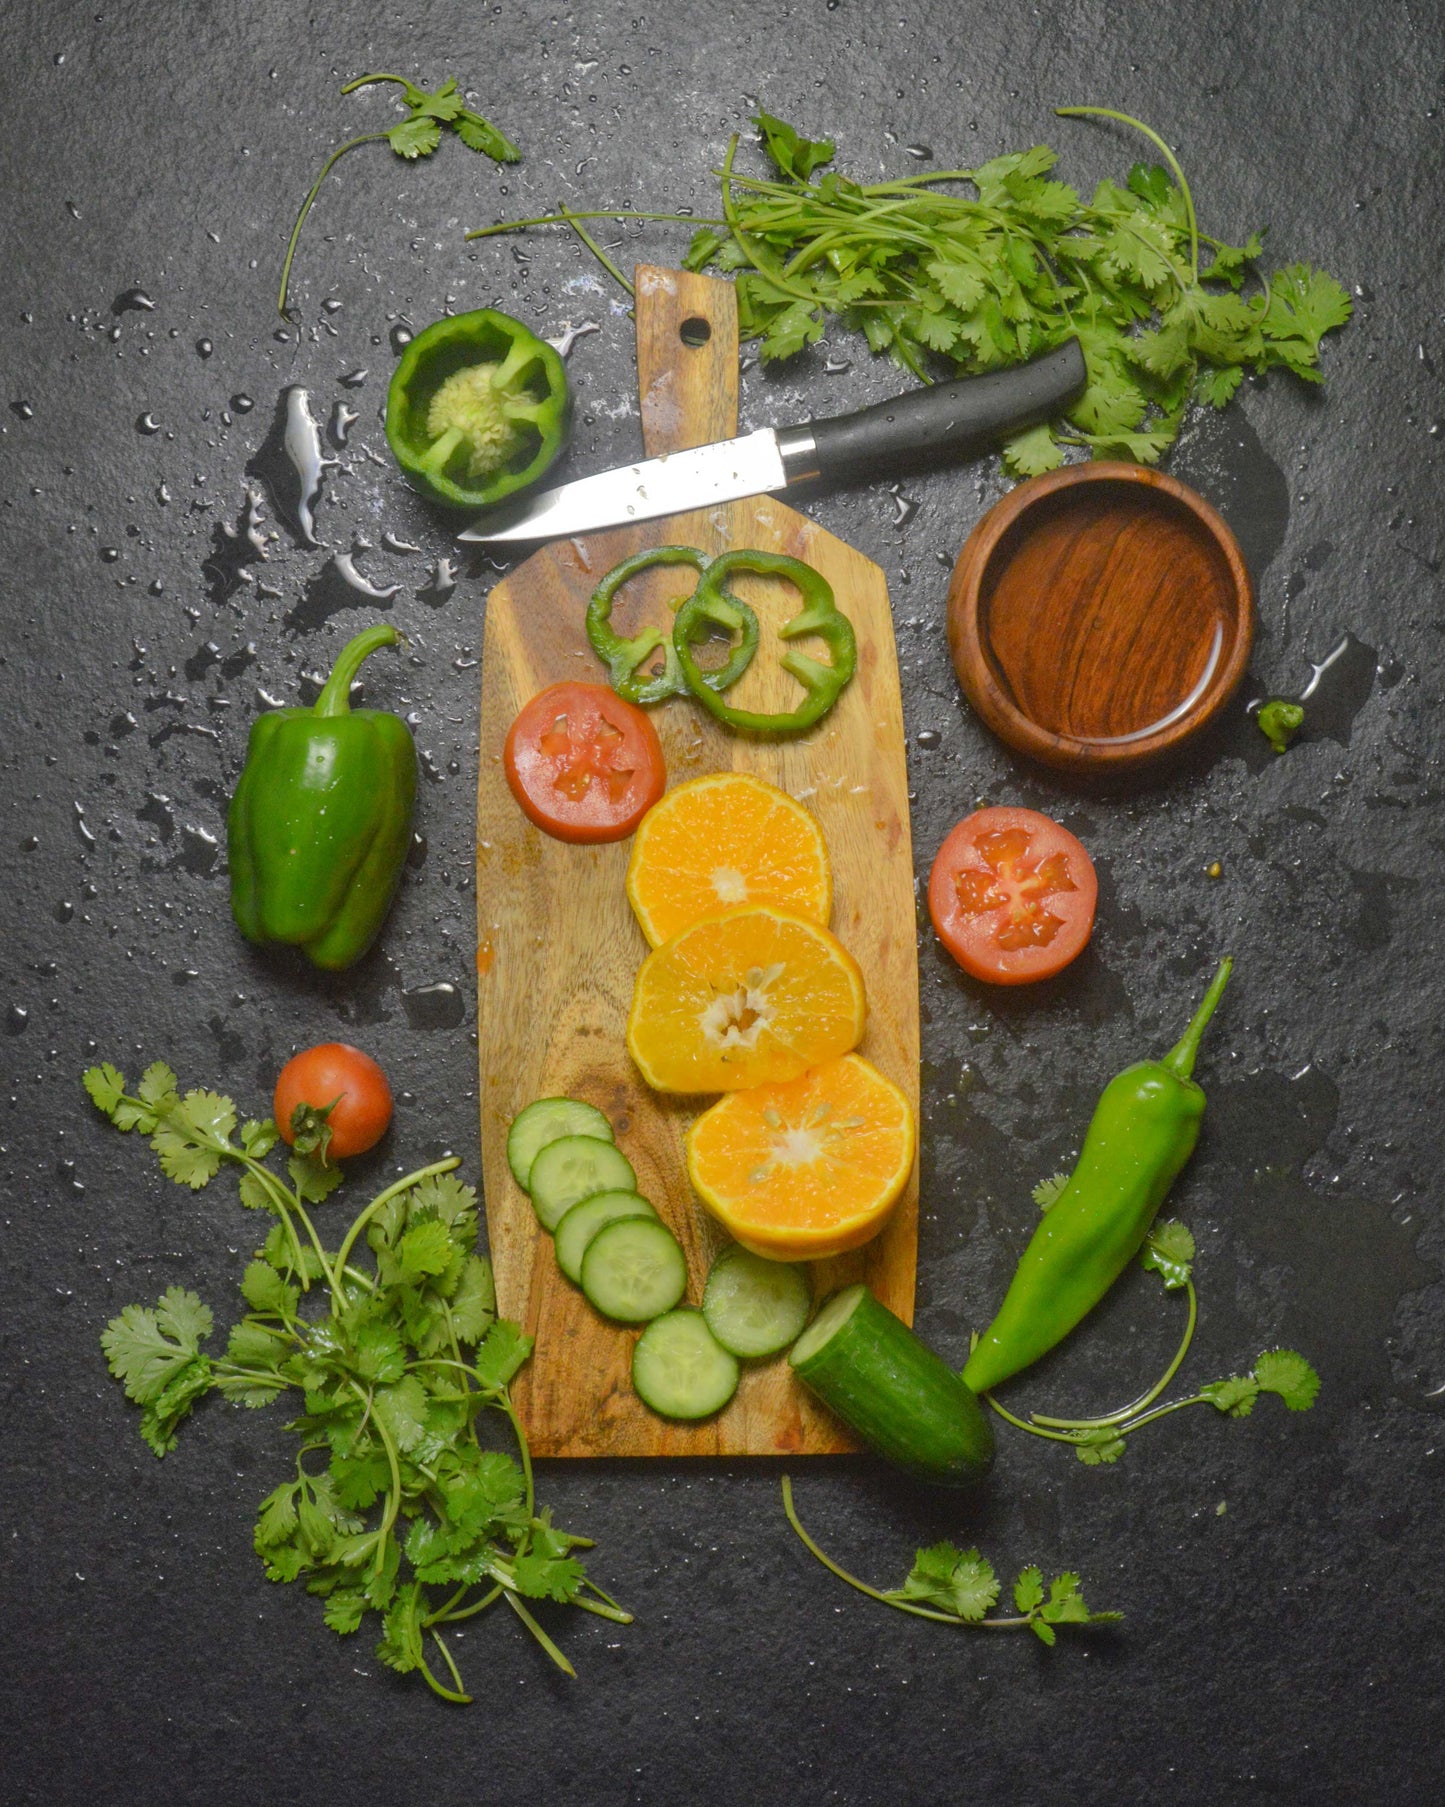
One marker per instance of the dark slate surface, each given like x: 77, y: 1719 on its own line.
x: 1282, y: 1640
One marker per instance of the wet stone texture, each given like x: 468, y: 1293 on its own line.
x: 161, y: 585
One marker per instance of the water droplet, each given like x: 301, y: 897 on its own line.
x: 109, y: 554
x: 63, y: 911
x: 22, y: 410
x: 343, y: 419
x: 929, y: 737
x: 904, y: 507
x: 570, y: 334
x: 199, y: 852
x: 1339, y: 687
x: 147, y: 423
x: 441, y: 581
x: 401, y: 336
x: 82, y: 827
x: 331, y: 305
x: 204, y: 347
x: 17, y: 1020
x: 919, y: 152
x: 292, y: 464
x: 242, y: 403
x: 836, y: 366
x: 129, y: 300
x: 439, y: 1006
x: 345, y: 563
x: 393, y: 544
x: 30, y: 843
x: 354, y: 379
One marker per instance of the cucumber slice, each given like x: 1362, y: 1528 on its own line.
x: 633, y: 1270
x: 573, y: 1168
x: 755, y: 1307
x: 545, y: 1121
x: 902, y: 1399
x: 586, y: 1218
x: 680, y: 1369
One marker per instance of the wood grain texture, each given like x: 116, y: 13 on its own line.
x: 558, y: 948
x: 1100, y: 616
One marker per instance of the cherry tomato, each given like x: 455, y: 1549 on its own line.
x: 1012, y: 896
x: 583, y: 763
x: 342, y: 1076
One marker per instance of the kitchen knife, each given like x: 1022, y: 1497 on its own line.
x: 924, y: 426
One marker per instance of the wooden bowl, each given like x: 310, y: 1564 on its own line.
x: 1099, y: 616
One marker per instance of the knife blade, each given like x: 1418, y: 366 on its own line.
x: 925, y: 426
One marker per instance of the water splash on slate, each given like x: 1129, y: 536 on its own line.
x: 1220, y: 454
x: 292, y: 464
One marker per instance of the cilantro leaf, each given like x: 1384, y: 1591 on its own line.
x: 480, y: 134
x: 344, y: 1610
x: 1029, y: 1589
x: 548, y: 1577
x: 1169, y: 1250
x: 957, y: 1581
x: 473, y: 1304
x: 159, y: 1419
x: 504, y: 1351
x: 313, y: 1177
x: 402, y: 1409
x: 1049, y: 1191
x: 415, y: 137
x: 1031, y: 453
x: 1100, y: 1444
x: 106, y: 1086
x: 1288, y: 1374
x: 792, y: 154
x: 1236, y: 1395
x: 264, y: 1290
x: 147, y: 1348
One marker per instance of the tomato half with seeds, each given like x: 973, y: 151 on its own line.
x: 584, y: 764
x: 1012, y: 896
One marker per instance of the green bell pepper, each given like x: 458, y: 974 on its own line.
x: 477, y: 408
x: 624, y: 659
x: 320, y: 822
x: 710, y: 606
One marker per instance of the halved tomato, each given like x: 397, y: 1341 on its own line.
x: 583, y: 763
x: 1012, y: 895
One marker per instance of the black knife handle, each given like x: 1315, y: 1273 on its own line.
x: 944, y: 420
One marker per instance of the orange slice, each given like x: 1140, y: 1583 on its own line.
x: 737, y: 999
x: 726, y: 841
x: 809, y: 1167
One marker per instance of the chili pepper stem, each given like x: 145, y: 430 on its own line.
x: 335, y: 698
x: 1180, y: 1058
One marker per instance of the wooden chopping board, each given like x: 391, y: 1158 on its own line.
x: 557, y: 945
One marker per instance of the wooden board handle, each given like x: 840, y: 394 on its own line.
x: 687, y: 359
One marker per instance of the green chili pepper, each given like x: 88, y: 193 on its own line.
x: 320, y: 822
x: 820, y: 616
x: 1144, y: 1130
x: 477, y: 408
x: 624, y: 658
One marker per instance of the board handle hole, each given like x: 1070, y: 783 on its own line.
x: 694, y: 332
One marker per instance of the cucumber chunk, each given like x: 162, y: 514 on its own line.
x: 634, y: 1270
x: 586, y: 1218
x: 755, y: 1307
x: 545, y: 1121
x: 573, y: 1168
x: 680, y: 1369
x: 902, y: 1399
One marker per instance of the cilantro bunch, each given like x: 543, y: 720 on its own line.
x: 956, y: 284
x: 972, y: 283
x: 396, y: 1507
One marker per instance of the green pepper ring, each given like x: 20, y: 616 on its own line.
x: 623, y: 657
x: 819, y: 615
x: 484, y: 335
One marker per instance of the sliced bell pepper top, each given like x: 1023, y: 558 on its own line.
x: 624, y: 658
x: 477, y: 409
x: 819, y: 616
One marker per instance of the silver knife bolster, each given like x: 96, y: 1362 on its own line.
x: 799, y: 453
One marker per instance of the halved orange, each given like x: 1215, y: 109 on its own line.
x: 740, y: 998
x: 809, y: 1167
x: 721, y: 842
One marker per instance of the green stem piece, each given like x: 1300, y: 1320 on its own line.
x: 1169, y: 158
x: 1180, y: 1058
x: 340, y: 151
x: 1144, y: 1399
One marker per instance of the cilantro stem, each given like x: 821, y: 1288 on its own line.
x: 1169, y: 158
x: 461, y: 1697
x: 451, y: 1612
x: 537, y: 1632
x: 1022, y: 1424
x: 1144, y: 1399
x: 383, y: 1198
x: 596, y: 249
x: 570, y: 215
x: 340, y: 151
x: 393, y: 1498
x: 605, y: 1609
x: 873, y: 1593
